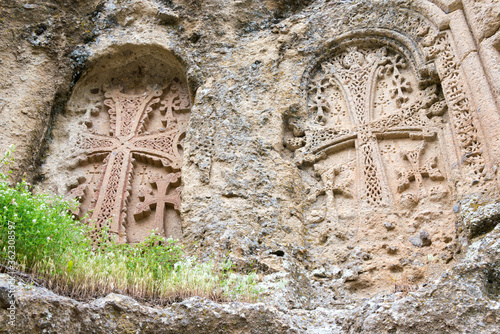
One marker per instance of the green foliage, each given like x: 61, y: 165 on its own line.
x: 52, y: 245
x: 42, y: 224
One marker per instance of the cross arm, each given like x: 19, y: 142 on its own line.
x: 322, y: 141
x: 92, y: 143
x: 160, y: 145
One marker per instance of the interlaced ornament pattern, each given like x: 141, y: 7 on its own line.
x: 355, y: 71
x: 129, y: 116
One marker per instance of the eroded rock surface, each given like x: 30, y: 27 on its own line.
x: 346, y: 150
x: 464, y: 299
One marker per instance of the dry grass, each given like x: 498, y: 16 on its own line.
x: 156, y: 277
x: 100, y: 275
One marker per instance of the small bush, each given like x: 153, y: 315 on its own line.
x: 55, y: 248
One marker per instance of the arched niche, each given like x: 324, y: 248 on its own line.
x: 428, y: 38
x: 374, y: 148
x: 118, y: 145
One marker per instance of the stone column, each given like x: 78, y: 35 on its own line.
x: 472, y: 66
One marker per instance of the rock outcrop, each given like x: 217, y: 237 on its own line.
x: 347, y: 148
x: 465, y: 299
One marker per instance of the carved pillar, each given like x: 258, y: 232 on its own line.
x: 469, y: 60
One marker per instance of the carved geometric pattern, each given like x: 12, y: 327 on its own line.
x: 354, y: 73
x: 438, y: 47
x: 162, y: 197
x: 131, y: 137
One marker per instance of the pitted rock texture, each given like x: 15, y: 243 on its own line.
x: 46, y: 312
x: 349, y: 148
x: 464, y: 299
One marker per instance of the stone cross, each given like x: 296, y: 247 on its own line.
x: 418, y: 171
x: 128, y: 140
x: 144, y: 175
x: 357, y: 72
x: 94, y: 175
x: 160, y: 200
x: 331, y: 186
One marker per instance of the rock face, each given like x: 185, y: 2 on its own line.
x: 349, y: 146
x: 463, y: 300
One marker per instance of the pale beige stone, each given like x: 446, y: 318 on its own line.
x: 489, y: 51
x: 462, y: 35
x: 483, y: 17
x: 487, y: 110
x: 448, y: 5
x: 347, y: 147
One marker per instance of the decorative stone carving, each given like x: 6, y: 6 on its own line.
x: 373, y: 144
x: 354, y: 73
x: 144, y: 142
x: 150, y: 201
x: 418, y: 170
x: 467, y: 132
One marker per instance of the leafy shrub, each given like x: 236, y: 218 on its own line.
x: 54, y: 247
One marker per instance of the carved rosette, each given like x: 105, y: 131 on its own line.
x: 134, y: 145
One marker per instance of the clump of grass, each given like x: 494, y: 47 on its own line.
x: 55, y: 248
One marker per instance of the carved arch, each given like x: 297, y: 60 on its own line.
x: 429, y: 45
x: 379, y: 167
x: 425, y: 69
x: 422, y: 172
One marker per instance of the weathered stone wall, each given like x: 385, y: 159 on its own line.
x: 350, y: 146
x: 463, y: 300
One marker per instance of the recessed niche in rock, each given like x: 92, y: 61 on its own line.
x: 118, y: 146
x: 374, y: 155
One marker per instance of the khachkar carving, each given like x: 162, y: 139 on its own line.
x: 374, y: 155
x: 349, y: 90
x: 145, y: 129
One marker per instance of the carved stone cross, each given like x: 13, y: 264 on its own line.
x: 160, y: 200
x: 129, y: 140
x: 418, y: 171
x: 331, y: 186
x: 356, y: 72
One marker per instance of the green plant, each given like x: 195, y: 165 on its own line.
x: 42, y: 224
x: 53, y: 246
